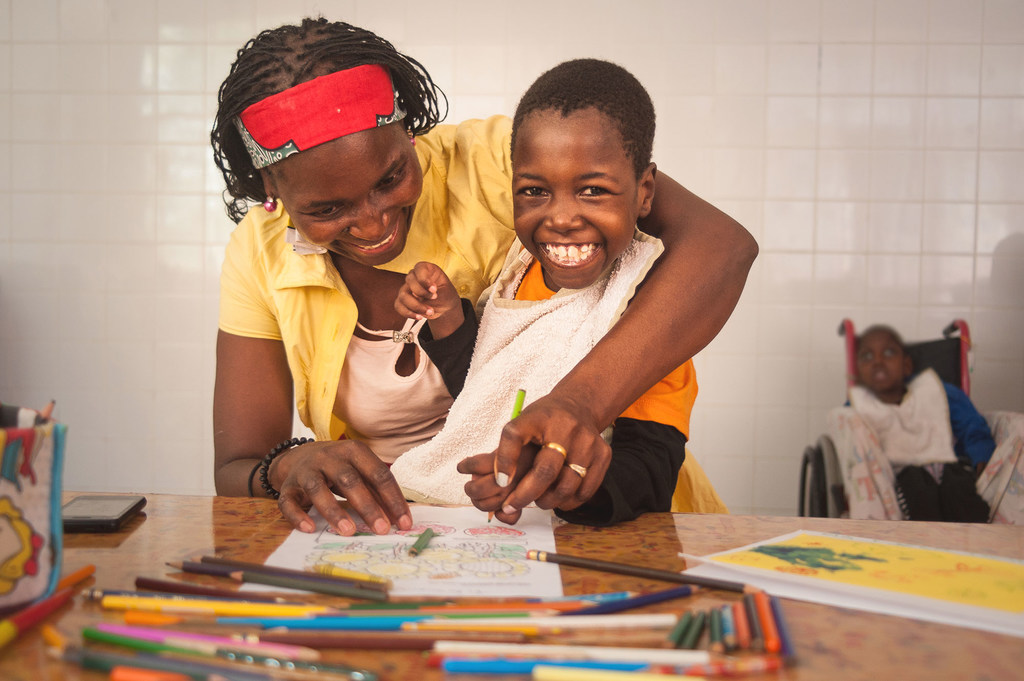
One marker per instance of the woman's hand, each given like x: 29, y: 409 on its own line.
x: 311, y: 474
x: 530, y: 463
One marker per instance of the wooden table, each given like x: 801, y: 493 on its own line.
x: 831, y: 642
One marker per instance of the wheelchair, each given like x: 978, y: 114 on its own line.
x: 822, y: 492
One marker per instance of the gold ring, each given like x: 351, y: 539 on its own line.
x: 557, y: 447
x: 580, y: 470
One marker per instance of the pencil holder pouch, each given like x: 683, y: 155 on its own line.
x: 31, y: 529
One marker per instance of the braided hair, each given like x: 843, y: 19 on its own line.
x: 283, y: 57
x: 594, y: 83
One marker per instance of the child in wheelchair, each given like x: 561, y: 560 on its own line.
x: 931, y: 433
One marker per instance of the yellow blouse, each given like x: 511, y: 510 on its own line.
x: 462, y: 221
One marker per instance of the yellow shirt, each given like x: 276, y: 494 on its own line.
x: 462, y: 222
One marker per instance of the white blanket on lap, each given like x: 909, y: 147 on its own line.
x: 521, y: 344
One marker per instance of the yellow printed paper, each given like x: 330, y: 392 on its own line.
x: 944, y: 575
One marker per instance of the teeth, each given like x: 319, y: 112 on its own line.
x: 573, y: 254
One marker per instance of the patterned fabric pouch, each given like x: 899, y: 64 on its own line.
x: 31, y: 530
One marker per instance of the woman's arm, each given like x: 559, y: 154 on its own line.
x: 252, y: 412
x: 681, y: 306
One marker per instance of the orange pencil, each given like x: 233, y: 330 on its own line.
x: 739, y: 616
x: 123, y: 673
x: 46, y: 412
x: 772, y: 643
x: 79, y: 575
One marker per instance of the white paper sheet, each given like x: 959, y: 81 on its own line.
x: 467, y: 557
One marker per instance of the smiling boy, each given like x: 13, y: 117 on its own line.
x: 582, y: 176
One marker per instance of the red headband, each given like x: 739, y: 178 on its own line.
x: 318, y: 111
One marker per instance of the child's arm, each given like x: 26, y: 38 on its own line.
x: 428, y: 294
x: 970, y: 430
x: 646, y: 457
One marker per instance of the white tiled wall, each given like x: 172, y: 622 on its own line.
x: 875, y: 149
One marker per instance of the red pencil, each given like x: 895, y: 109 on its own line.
x: 13, y: 626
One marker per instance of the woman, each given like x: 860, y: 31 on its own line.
x: 334, y: 132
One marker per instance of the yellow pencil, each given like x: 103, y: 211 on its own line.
x: 335, y: 571
x: 211, y: 607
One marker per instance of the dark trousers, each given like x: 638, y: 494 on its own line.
x: 953, y: 498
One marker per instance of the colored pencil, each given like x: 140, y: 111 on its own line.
x: 161, y: 635
x: 728, y: 628
x: 381, y: 623
x: 635, y: 602
x: 715, y: 642
x: 173, y: 587
x: 365, y: 580
x: 769, y: 631
x: 663, y: 620
x: 787, y: 650
x: 99, y: 594
x: 735, y: 666
x: 754, y: 622
x: 92, y: 658
x: 513, y: 665
x: 517, y: 407
x: 692, y: 635
x: 638, y: 571
x: 52, y: 637
x: 422, y: 542
x: 653, y: 656
x: 739, y: 617
x: 33, y: 614
x: 312, y: 585
x: 211, y: 607
x: 384, y: 640
x: 676, y: 635
x: 122, y: 673
x: 552, y: 673
x: 73, y: 578
x: 195, y: 647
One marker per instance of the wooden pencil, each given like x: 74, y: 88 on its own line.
x: 312, y: 585
x: 768, y: 629
x: 385, y: 640
x: 168, y: 586
x: 754, y: 622
x: 678, y: 631
x: 739, y: 617
x: 365, y: 580
x: 73, y: 578
x: 639, y: 571
x: 728, y: 628
x: 692, y: 635
x: 787, y: 650
x: 26, y: 618
x: 715, y: 642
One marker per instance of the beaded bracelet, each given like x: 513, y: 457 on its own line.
x: 264, y: 466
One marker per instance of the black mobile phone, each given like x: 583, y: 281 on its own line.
x: 100, y: 512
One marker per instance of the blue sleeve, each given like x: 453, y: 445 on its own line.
x: 973, y: 438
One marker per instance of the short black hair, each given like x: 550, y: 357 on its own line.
x: 882, y: 328
x: 283, y: 57
x: 594, y: 83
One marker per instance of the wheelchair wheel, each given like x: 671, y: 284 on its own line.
x: 813, y: 484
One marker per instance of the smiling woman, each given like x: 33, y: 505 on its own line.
x: 334, y: 207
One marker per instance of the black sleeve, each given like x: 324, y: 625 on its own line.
x: 451, y: 355
x: 646, y: 457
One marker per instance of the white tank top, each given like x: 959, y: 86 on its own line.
x: 391, y: 413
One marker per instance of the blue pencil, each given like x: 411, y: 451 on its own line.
x: 595, y: 598
x: 728, y: 628
x: 504, y: 665
x: 634, y: 602
x: 383, y: 623
x: 788, y: 651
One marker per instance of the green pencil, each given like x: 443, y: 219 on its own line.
x: 422, y: 542
x: 516, y: 408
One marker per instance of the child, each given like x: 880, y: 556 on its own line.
x: 933, y: 436
x: 582, y: 176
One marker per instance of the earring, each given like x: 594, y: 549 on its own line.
x: 270, y: 205
x: 412, y: 138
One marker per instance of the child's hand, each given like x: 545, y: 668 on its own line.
x: 428, y: 293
